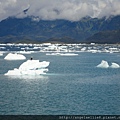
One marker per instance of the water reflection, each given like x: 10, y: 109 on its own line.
x: 28, y: 78
x: 27, y: 94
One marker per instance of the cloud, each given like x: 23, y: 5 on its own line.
x: 72, y: 10
x: 12, y: 7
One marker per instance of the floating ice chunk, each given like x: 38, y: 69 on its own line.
x: 30, y: 67
x: 1, y: 53
x: 115, y: 65
x: 93, y: 51
x: 62, y: 54
x: 12, y: 56
x: 33, y: 65
x: 68, y: 54
x: 13, y: 72
x: 103, y: 64
x: 25, y: 52
x: 53, y: 54
x: 83, y: 49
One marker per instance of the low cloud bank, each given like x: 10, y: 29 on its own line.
x: 72, y: 10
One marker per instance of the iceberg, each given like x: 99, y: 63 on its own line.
x: 115, y: 65
x: 30, y: 67
x: 14, y: 56
x: 103, y: 64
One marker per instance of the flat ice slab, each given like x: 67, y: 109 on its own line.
x: 14, y: 56
x: 62, y: 54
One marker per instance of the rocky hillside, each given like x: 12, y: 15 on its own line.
x: 87, y: 29
x: 105, y: 37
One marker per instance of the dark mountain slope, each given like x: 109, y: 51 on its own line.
x: 105, y: 37
x: 41, y: 31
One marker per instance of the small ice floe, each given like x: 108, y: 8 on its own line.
x: 62, y: 54
x: 30, y: 67
x: 14, y: 56
x: 93, y: 51
x: 26, y: 52
x: 53, y: 54
x: 1, y: 54
x: 68, y: 54
x: 103, y: 64
x: 115, y: 65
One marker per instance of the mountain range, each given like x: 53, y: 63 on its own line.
x: 87, y: 30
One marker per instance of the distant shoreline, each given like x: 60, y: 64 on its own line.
x: 62, y: 43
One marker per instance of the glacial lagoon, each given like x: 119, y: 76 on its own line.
x: 73, y: 85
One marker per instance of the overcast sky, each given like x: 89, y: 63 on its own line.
x: 72, y: 10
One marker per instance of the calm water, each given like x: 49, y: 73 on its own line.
x: 72, y: 86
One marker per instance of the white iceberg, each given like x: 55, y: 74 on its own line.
x: 103, y: 64
x: 14, y: 56
x: 30, y: 67
x: 115, y: 65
